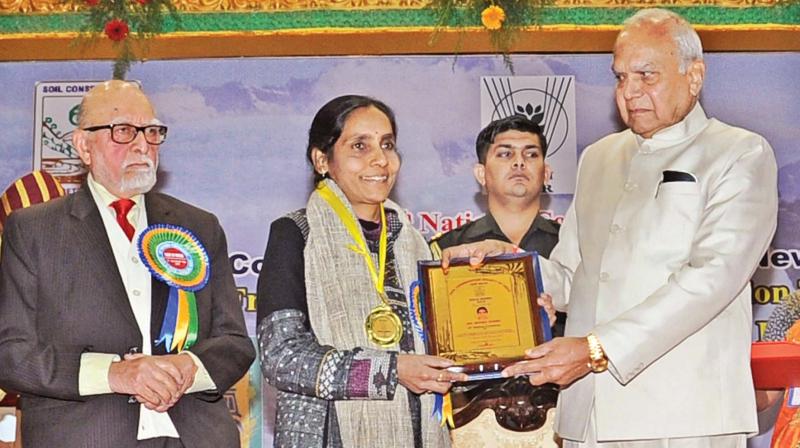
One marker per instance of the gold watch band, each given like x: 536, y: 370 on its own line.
x: 597, y: 357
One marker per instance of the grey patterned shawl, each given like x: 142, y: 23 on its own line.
x: 340, y: 295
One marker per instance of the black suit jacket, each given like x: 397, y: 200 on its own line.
x: 61, y: 295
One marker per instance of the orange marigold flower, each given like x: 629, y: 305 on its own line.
x: 92, y: 2
x: 117, y: 30
x: 492, y: 17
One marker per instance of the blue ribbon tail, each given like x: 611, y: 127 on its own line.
x: 537, y: 273
x: 437, y: 407
x: 415, y: 301
x: 170, y: 320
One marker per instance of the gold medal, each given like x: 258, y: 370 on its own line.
x: 383, y: 326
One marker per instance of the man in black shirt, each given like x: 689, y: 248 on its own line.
x: 512, y: 171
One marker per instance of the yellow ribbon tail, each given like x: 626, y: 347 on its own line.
x: 357, y: 249
x: 182, y: 327
x: 447, y: 411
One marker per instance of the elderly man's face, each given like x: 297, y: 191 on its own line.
x: 651, y: 92
x: 124, y: 169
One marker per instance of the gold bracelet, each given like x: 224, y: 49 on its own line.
x: 597, y: 357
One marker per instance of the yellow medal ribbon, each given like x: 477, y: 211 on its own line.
x: 383, y: 326
x: 360, y: 246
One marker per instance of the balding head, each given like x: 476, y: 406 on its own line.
x: 106, y: 99
x: 656, y: 20
x: 124, y: 169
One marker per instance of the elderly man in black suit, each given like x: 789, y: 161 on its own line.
x: 81, y: 332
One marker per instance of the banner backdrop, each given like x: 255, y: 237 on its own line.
x: 238, y: 130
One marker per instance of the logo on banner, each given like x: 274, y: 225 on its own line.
x: 57, y: 106
x: 56, y: 112
x: 548, y: 101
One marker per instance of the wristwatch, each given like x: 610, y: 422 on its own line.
x: 597, y: 357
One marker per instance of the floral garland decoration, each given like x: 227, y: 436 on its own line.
x: 122, y: 21
x: 503, y: 19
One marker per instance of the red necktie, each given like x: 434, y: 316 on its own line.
x: 122, y: 207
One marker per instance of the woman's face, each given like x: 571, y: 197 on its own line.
x: 363, y: 161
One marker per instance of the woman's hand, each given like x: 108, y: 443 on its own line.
x: 424, y: 373
x: 546, y: 300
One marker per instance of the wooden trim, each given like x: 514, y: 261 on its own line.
x: 547, y: 39
x: 249, y: 6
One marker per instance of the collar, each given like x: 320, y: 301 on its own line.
x: 388, y: 204
x: 104, y: 197
x: 678, y: 133
x: 372, y: 234
x: 488, y: 228
x: 545, y: 225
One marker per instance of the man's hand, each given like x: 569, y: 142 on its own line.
x: 560, y: 361
x: 477, y: 252
x: 546, y: 301
x: 185, y: 364
x: 424, y: 373
x: 158, y: 382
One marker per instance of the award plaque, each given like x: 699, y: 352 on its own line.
x: 482, y: 318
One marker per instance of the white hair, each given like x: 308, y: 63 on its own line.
x: 690, y: 48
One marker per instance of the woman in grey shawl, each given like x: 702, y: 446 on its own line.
x: 338, y: 385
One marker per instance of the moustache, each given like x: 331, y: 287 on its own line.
x: 144, y: 161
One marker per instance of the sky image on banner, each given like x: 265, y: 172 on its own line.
x: 238, y: 130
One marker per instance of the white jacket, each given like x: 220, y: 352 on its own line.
x: 658, y: 265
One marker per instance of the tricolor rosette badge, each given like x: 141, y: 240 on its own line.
x: 176, y: 257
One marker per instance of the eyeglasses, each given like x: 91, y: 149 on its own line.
x: 123, y: 133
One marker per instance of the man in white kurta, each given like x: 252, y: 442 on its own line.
x: 669, y: 220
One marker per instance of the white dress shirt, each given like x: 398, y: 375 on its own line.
x: 93, y: 376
